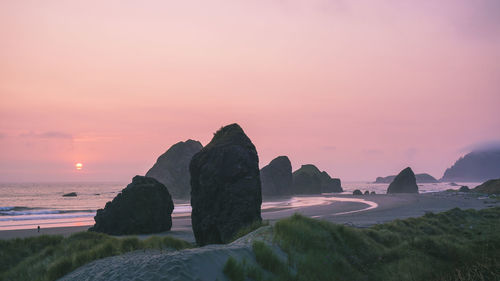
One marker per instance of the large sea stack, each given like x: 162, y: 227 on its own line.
x: 477, y: 166
x: 225, y: 186
x: 276, y: 178
x: 144, y: 206
x: 310, y: 180
x: 172, y: 168
x: 405, y: 182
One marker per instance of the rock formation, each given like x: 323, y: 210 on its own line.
x: 489, y: 187
x: 404, y: 182
x: 464, y: 188
x: 309, y: 180
x: 225, y: 186
x: 276, y: 178
x: 71, y: 194
x: 367, y: 192
x: 357, y: 192
x: 477, y: 166
x: 172, y: 168
x: 144, y: 206
x: 421, y: 178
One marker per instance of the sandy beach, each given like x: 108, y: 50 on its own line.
x: 359, y: 211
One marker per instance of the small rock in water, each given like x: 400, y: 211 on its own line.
x: 71, y: 194
x: 357, y: 192
x: 367, y: 192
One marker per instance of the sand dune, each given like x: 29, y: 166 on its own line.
x: 204, y: 263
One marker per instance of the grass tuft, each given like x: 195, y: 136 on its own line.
x: 51, y: 257
x: 249, y: 228
x: 234, y: 270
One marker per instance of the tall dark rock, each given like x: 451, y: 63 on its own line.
x: 310, y: 180
x: 276, y: 178
x: 477, y: 166
x: 172, y: 168
x: 225, y: 186
x: 144, y: 206
x: 405, y: 182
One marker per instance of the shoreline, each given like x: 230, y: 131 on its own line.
x: 359, y: 211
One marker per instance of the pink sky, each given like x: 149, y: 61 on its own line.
x: 359, y: 88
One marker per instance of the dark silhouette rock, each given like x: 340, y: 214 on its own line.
x: 464, y: 189
x: 225, y: 186
x: 421, y: 178
x: 372, y: 193
x: 71, y: 194
x: 309, y: 180
x: 172, y: 168
x: 276, y: 178
x: 404, y: 182
x: 357, y: 192
x: 367, y: 192
x: 453, y: 184
x: 489, y: 187
x: 144, y: 206
x: 477, y: 166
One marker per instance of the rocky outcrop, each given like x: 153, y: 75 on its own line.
x: 464, y: 188
x: 310, y: 180
x: 477, y: 166
x: 404, y: 182
x: 172, y: 168
x: 367, y: 192
x: 71, y: 194
x: 225, y: 186
x: 144, y: 206
x: 276, y: 178
x: 421, y: 178
x: 489, y: 187
x: 357, y: 192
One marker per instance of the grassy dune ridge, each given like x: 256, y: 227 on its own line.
x: 49, y: 257
x: 454, y: 245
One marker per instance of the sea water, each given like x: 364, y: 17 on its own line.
x: 29, y: 205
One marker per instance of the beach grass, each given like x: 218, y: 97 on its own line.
x: 51, y: 257
x: 245, y: 230
x: 454, y: 245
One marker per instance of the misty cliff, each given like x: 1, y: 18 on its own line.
x: 477, y: 166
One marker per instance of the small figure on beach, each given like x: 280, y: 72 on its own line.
x: 38, y: 229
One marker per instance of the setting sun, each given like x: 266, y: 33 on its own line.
x: 79, y: 166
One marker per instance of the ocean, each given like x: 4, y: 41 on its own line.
x: 28, y: 205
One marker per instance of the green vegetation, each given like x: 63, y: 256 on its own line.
x: 51, y: 257
x: 454, y: 245
x: 245, y: 230
x: 234, y: 270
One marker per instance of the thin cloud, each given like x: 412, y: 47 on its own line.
x: 47, y: 135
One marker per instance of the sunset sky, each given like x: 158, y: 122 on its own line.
x: 359, y: 88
